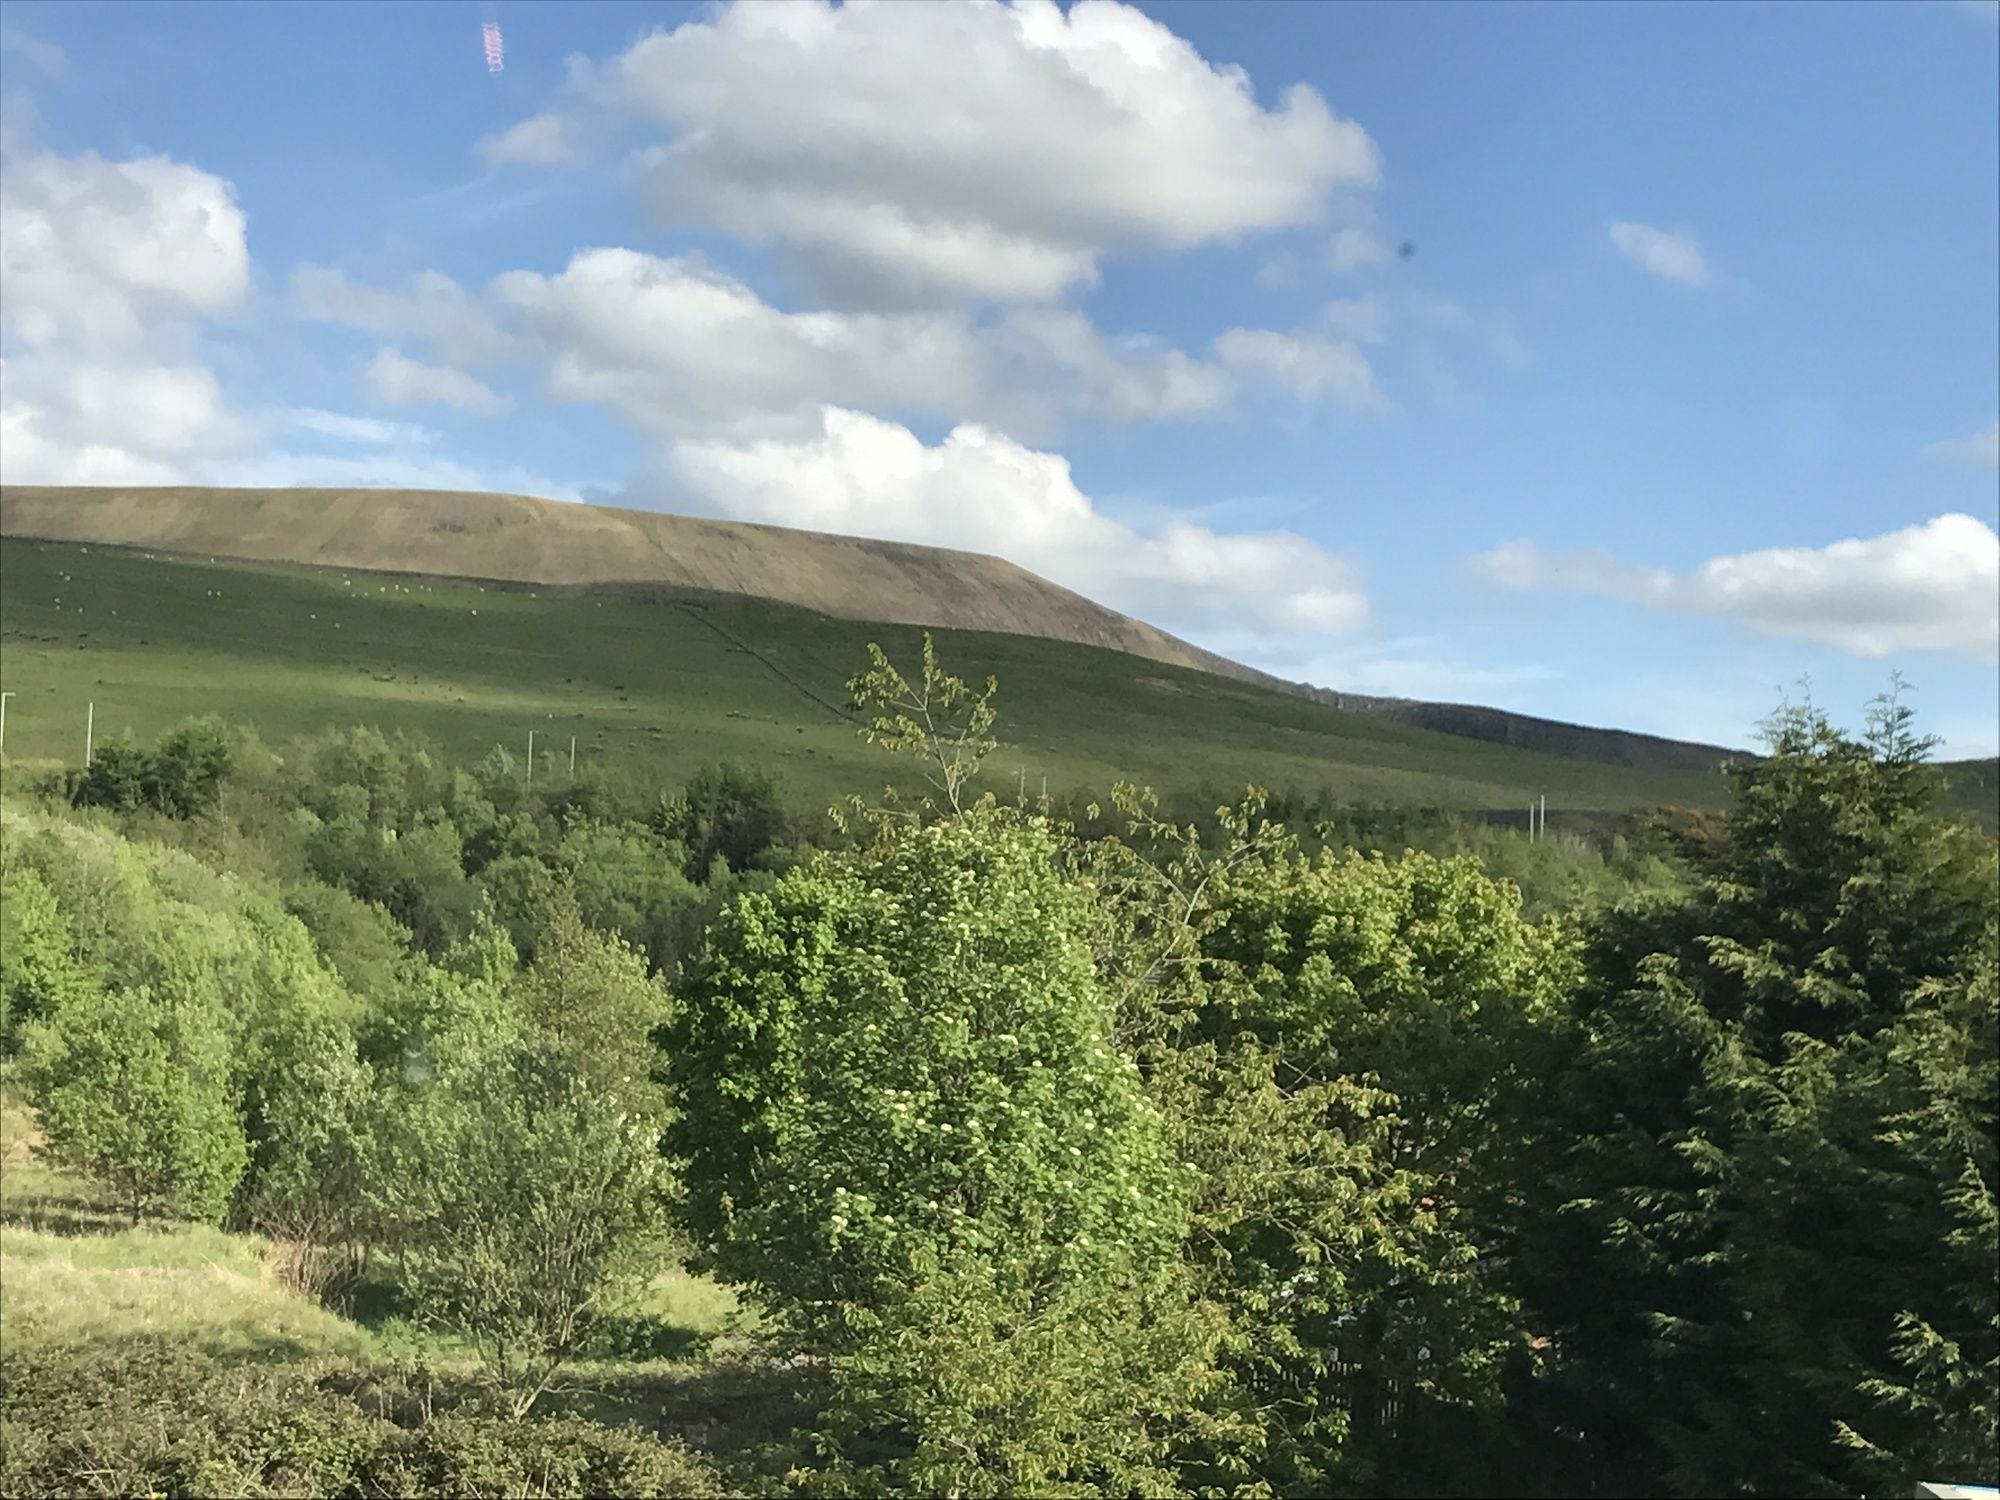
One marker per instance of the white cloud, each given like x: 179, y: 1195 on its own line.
x: 1932, y: 587
x: 681, y: 349
x: 1982, y: 448
x: 92, y: 252
x: 368, y: 431
x: 34, y: 450
x: 1310, y: 366
x: 107, y: 272
x: 432, y: 307
x: 1063, y: 355
x: 1354, y: 247
x: 44, y: 57
x: 135, y: 423
x: 1676, y: 257
x: 981, y: 491
x: 678, y: 348
x: 976, y: 149
x: 539, y: 141
x: 400, y: 381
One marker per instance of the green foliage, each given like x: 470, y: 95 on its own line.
x: 1347, y: 1048
x: 1773, y: 1266
x: 940, y: 721
x: 39, y: 970
x: 134, y: 1092
x: 179, y: 778
x: 152, y: 1417
x: 730, y: 812
x: 897, y: 1064
x: 307, y: 1104
x: 517, y: 1178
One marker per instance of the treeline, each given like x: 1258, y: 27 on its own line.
x: 1092, y: 1154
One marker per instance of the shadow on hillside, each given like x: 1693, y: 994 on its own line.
x: 50, y: 1213
x: 745, y: 1413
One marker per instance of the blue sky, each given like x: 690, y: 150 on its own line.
x: 1688, y: 386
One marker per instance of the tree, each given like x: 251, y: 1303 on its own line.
x: 730, y: 812
x: 1772, y: 1144
x: 940, y: 721
x: 518, y: 1174
x: 307, y: 1106
x: 136, y: 1095
x: 39, y: 970
x: 903, y: 1122
x: 1346, y: 1048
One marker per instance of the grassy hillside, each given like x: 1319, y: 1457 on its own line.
x: 674, y: 685
x: 521, y: 540
x: 516, y: 539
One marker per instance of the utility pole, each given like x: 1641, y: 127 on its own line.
x: 89, y: 733
x: 1542, y: 822
x: 531, y: 757
x: 3, y: 719
x: 572, y: 757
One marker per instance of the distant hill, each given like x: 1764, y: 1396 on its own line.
x: 513, y: 538
x: 517, y: 539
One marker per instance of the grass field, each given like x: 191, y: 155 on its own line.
x: 74, y: 1275
x: 668, y: 687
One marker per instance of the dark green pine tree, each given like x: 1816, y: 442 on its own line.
x: 1772, y: 1270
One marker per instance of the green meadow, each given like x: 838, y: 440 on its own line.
x: 665, y: 686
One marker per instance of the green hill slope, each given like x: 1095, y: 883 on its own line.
x: 673, y: 684
x: 521, y: 540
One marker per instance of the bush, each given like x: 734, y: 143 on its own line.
x: 518, y: 1177
x: 39, y: 971
x: 136, y: 1095
x: 155, y: 1418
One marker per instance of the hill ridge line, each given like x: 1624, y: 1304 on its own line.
x: 521, y: 539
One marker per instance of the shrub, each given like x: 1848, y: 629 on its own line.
x: 518, y: 1177
x: 135, y: 1094
x: 39, y: 971
x: 156, y: 1418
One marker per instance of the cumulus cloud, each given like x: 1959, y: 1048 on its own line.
x: 1982, y: 448
x: 977, y: 149
x: 107, y: 272
x: 981, y: 491
x: 677, y: 347
x: 1062, y: 355
x: 1676, y: 257
x: 681, y: 349
x: 398, y: 380
x: 1932, y: 587
x: 93, y: 251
